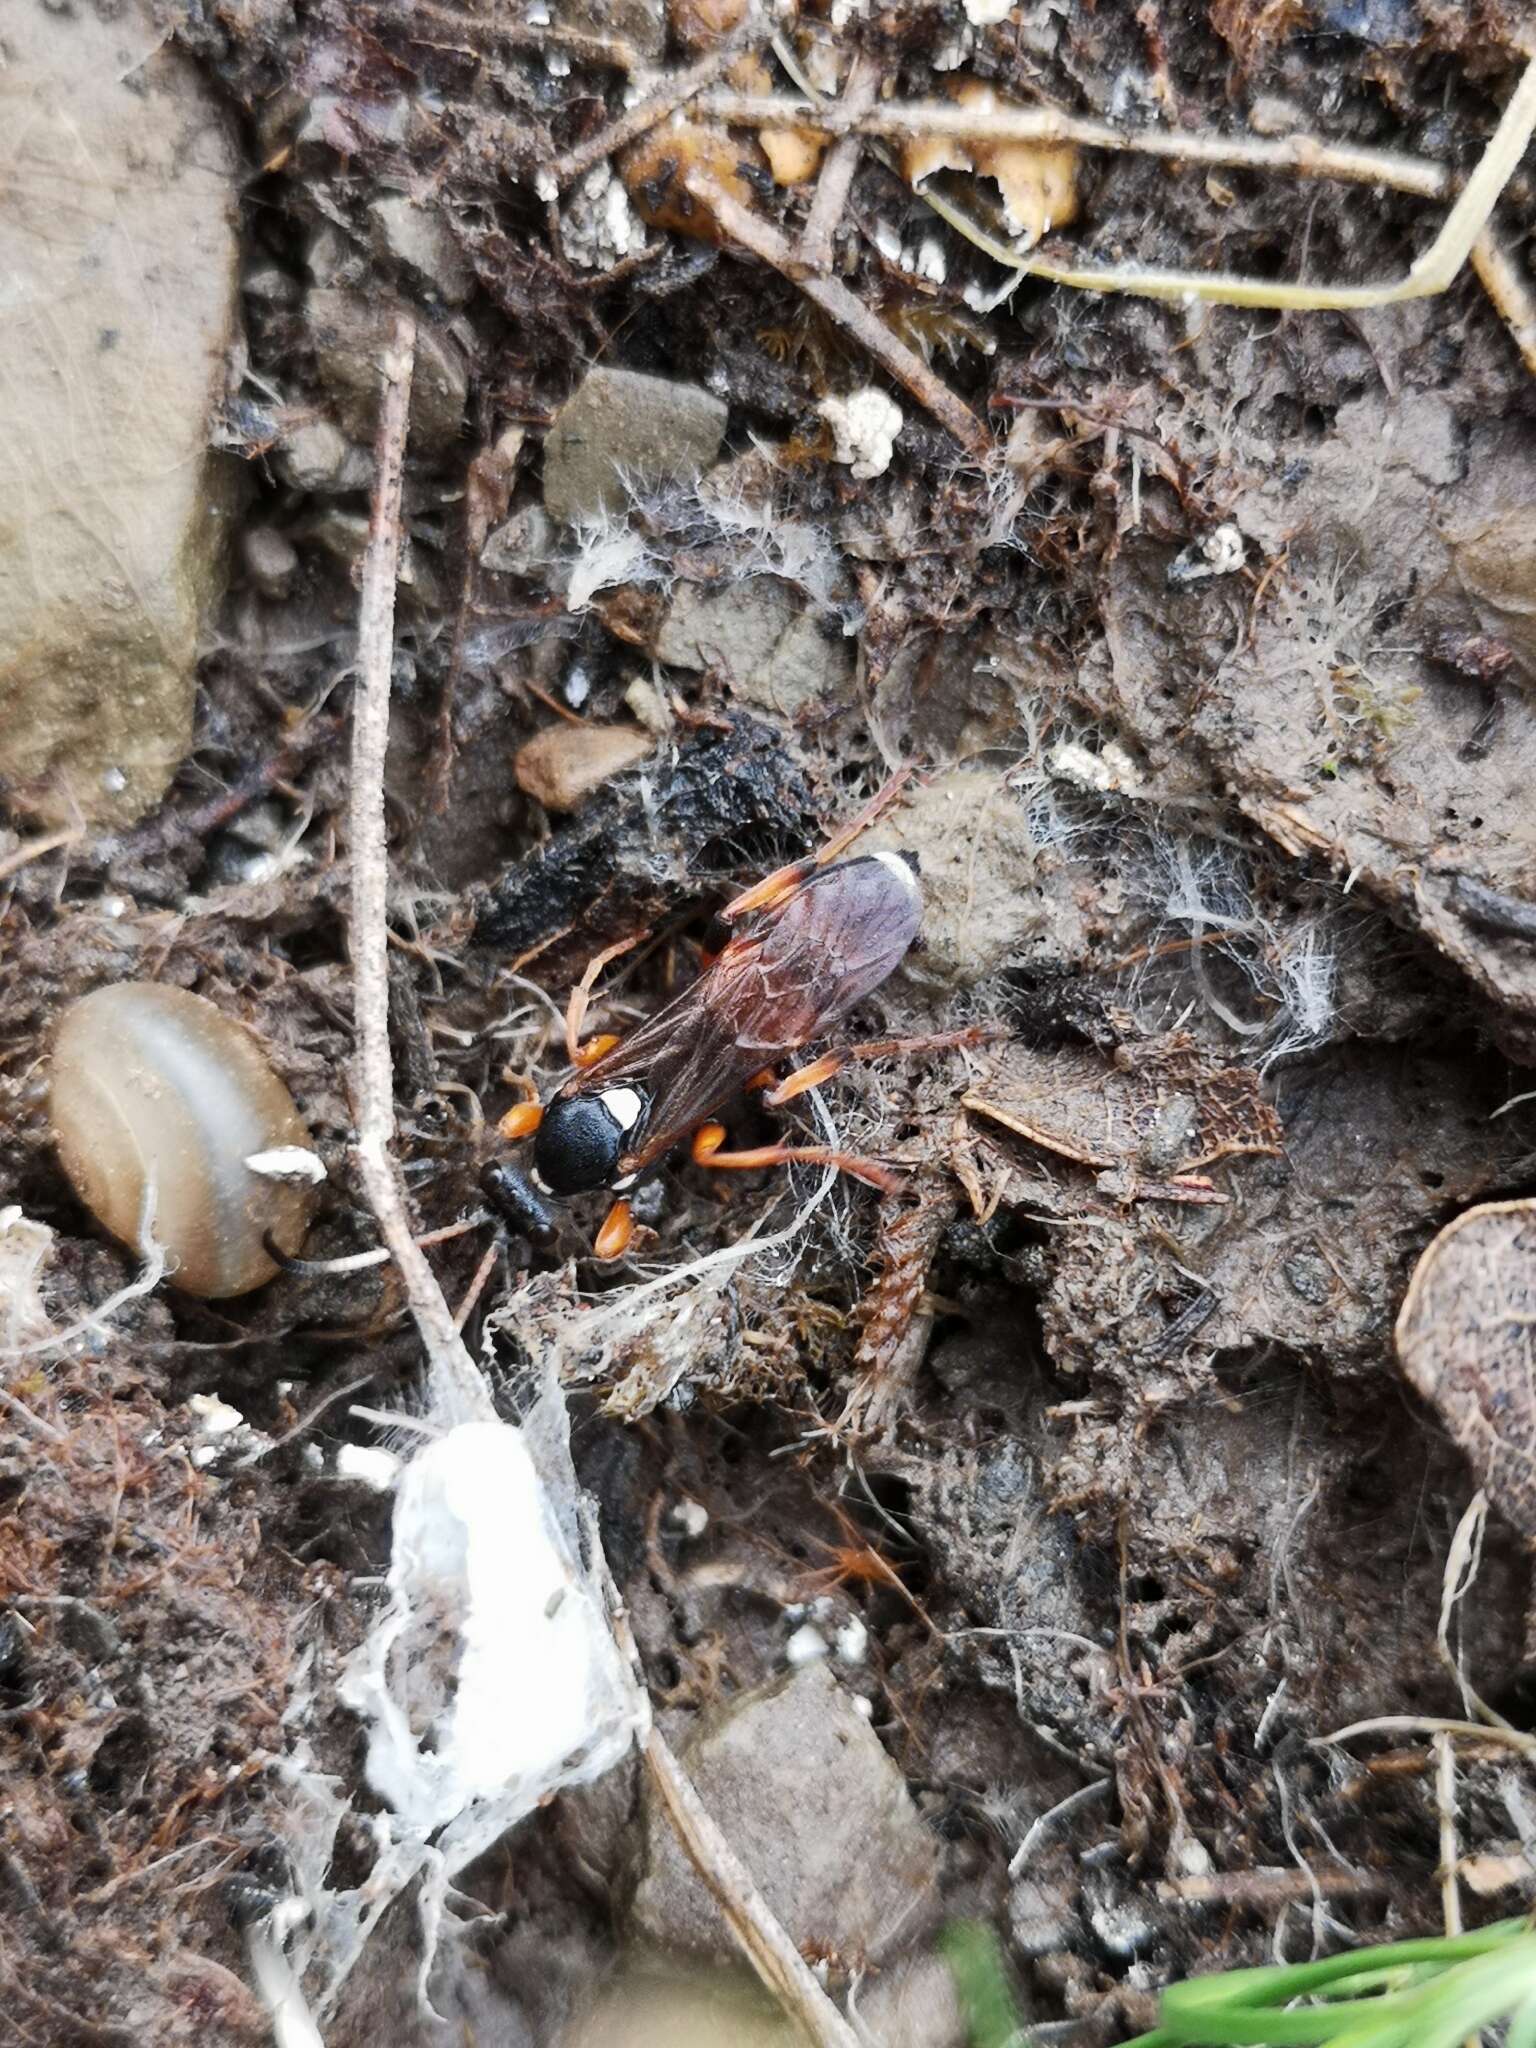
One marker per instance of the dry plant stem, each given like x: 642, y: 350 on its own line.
x: 1511, y: 295
x: 34, y: 849
x: 1463, y: 233
x: 837, y: 172
x: 759, y: 239
x: 1429, y: 1724
x: 768, y: 1948
x: 1445, y: 1808
x: 673, y: 92
x: 1304, y: 154
x: 499, y: 26
x: 1462, y: 1564
x: 456, y: 1382
x: 1263, y: 1890
x: 1430, y: 273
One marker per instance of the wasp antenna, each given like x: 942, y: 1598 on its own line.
x: 773, y: 889
x: 576, y: 1008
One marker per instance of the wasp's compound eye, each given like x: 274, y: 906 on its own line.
x: 578, y: 1145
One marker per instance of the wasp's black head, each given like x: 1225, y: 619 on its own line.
x: 579, y: 1141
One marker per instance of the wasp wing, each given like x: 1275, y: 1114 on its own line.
x: 775, y: 987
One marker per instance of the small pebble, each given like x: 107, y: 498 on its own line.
x: 270, y: 559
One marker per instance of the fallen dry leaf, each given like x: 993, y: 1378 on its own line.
x: 1166, y: 1108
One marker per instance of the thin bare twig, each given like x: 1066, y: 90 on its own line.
x: 837, y: 173
x: 1304, y: 154
x: 765, y: 242
x: 1426, y: 275
x: 1263, y: 1890
x: 768, y: 1948
x: 1464, y: 234
x: 673, y: 92
x: 500, y: 26
x: 1045, y: 1823
x: 459, y: 1388
x: 1445, y: 1810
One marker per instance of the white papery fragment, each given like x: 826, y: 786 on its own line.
x: 493, y: 1678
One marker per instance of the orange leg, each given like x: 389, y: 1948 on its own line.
x: 802, y: 1078
x: 576, y: 1008
x: 595, y: 1049
x: 521, y: 1120
x: 708, y: 1139
x: 831, y: 1063
x: 612, y: 1241
x: 776, y: 888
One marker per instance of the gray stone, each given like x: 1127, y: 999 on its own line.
x: 526, y: 545
x: 421, y: 242
x: 348, y: 334
x: 914, y: 2005
x: 343, y: 534
x: 118, y: 251
x: 620, y: 429
x: 317, y: 456
x: 818, y: 1813
x: 640, y: 23
x: 268, y: 284
x: 761, y: 638
x: 1042, y: 1916
x: 269, y: 559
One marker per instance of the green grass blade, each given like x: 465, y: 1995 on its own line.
x: 1429, y: 1993
x: 975, y: 1960
x: 1522, y: 2025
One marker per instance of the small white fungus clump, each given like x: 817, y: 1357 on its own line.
x: 806, y: 1646
x: 984, y: 13
x: 370, y: 1465
x: 864, y: 426
x: 599, y: 227
x: 295, y: 1164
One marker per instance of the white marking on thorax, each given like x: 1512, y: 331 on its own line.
x: 624, y: 1105
x: 898, y: 866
